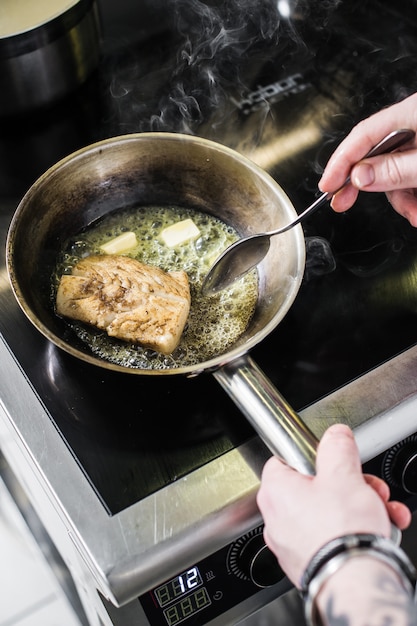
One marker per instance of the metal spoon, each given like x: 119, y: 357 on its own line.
x: 244, y: 254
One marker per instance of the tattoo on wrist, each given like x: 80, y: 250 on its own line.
x: 387, y: 604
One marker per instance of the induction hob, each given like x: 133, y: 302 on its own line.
x: 285, y: 102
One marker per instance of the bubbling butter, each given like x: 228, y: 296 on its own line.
x: 214, y: 324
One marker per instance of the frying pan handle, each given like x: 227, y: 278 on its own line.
x: 278, y: 425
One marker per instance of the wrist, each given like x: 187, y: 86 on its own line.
x: 361, y: 587
x: 333, y: 558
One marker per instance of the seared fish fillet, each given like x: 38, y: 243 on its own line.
x: 128, y: 299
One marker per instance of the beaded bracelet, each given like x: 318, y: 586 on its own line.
x: 335, y: 553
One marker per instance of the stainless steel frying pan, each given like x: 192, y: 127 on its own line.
x: 159, y: 168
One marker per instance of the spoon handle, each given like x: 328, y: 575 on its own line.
x: 390, y: 143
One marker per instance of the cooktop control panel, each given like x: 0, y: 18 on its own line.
x: 216, y: 584
x: 226, y: 578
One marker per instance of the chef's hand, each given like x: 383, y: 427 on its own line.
x: 302, y: 513
x: 394, y: 173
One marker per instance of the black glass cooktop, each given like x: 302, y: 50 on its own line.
x: 285, y: 100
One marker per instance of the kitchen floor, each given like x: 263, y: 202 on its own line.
x: 36, y: 589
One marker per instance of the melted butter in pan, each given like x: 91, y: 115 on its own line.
x: 214, y: 324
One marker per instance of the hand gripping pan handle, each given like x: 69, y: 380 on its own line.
x: 275, y: 421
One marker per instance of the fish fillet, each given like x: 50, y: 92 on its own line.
x: 129, y: 300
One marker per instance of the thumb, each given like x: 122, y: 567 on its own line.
x: 386, y: 172
x: 337, y: 453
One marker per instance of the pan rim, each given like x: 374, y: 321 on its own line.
x: 212, y: 364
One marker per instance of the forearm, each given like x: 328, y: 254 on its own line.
x: 365, y: 592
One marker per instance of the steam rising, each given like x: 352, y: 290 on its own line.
x: 215, y: 43
x: 319, y: 258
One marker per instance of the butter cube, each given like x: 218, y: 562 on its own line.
x: 120, y: 244
x: 179, y: 233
